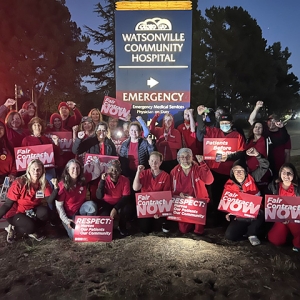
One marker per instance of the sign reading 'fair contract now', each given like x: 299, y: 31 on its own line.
x: 282, y: 208
x: 212, y: 146
x: 154, y: 203
x: 240, y: 204
x: 114, y: 108
x: 24, y: 155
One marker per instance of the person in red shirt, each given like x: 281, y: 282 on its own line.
x: 23, y: 207
x: 27, y: 112
x: 188, y: 133
x: 55, y: 123
x: 14, y: 128
x: 7, y: 158
x: 242, y: 182
x: 68, y: 120
x: 37, y: 137
x: 151, y: 180
x: 288, y: 184
x: 113, y: 195
x: 189, y: 179
x: 168, y: 140
x: 221, y: 166
x: 278, y: 139
x: 70, y: 193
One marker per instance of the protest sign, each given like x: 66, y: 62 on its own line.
x: 24, y: 155
x: 115, y: 108
x: 104, y: 159
x: 65, y: 139
x: 189, y: 210
x: 282, y: 208
x: 240, y: 204
x: 153, y: 203
x: 212, y: 146
x: 93, y: 229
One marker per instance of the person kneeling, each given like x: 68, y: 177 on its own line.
x: 242, y: 182
x: 23, y: 207
x: 113, y: 195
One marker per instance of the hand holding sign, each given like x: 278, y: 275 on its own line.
x: 113, y: 213
x: 199, y: 158
x: 55, y: 139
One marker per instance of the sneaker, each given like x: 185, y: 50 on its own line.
x: 36, y: 236
x: 10, y: 233
x: 296, y: 249
x: 165, y: 227
x: 254, y: 240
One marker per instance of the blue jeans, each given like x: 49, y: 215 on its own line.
x: 88, y: 208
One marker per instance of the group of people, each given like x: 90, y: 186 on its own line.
x: 147, y: 159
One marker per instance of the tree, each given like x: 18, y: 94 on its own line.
x: 104, y: 73
x: 41, y: 49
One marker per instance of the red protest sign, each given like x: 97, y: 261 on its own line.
x: 153, y: 203
x: 189, y: 210
x: 282, y: 208
x: 212, y: 146
x: 115, y: 108
x: 24, y: 155
x: 104, y: 159
x: 118, y: 143
x: 240, y: 204
x: 65, y: 139
x: 93, y: 229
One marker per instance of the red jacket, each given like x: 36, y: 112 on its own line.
x: 260, y: 146
x: 200, y: 176
x: 71, y: 121
x: 169, y: 145
x: 248, y: 186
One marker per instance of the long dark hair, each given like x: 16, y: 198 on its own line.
x: 251, y: 134
x: 66, y: 178
x: 295, y: 180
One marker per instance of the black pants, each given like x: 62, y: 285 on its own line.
x: 238, y: 228
x: 125, y: 213
x: 24, y: 224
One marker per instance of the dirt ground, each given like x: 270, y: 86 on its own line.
x: 157, y: 266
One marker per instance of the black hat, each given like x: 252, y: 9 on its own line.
x: 242, y: 163
x: 225, y: 117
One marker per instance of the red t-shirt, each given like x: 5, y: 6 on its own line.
x: 161, y: 182
x: 184, y: 184
x: 133, y: 156
x: 189, y: 139
x: 74, y: 198
x: 260, y: 146
x: 25, y: 199
x: 113, y: 192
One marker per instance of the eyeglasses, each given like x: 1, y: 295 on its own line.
x: 287, y: 174
x: 185, y: 157
x: 238, y: 171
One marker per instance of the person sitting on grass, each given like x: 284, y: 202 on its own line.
x: 286, y: 185
x: 23, y: 207
x: 71, y: 196
x: 242, y: 182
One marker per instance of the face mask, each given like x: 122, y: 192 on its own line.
x: 225, y: 127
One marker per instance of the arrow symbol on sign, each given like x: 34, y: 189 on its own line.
x: 152, y: 82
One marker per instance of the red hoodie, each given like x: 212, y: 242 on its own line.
x: 248, y: 186
x: 168, y: 145
x: 200, y: 176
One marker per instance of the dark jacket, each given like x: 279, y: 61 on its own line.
x: 91, y: 145
x: 144, y: 150
x: 273, y: 188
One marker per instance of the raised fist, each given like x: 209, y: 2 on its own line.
x: 140, y: 168
x: 259, y: 104
x: 9, y: 102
